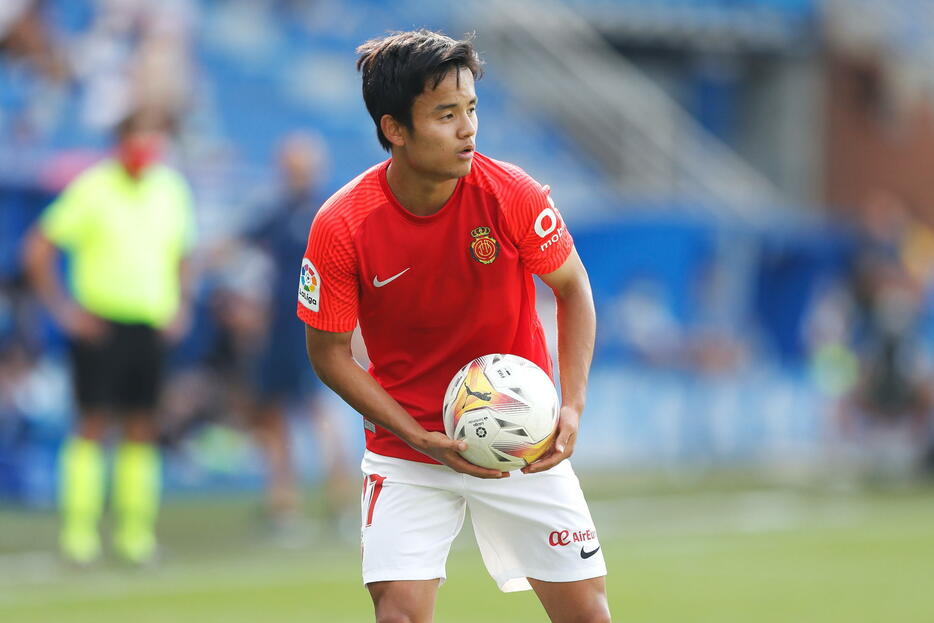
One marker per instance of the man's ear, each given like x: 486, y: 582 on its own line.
x: 392, y: 130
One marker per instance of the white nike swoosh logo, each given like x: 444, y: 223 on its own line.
x: 379, y: 284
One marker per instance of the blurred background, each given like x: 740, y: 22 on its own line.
x: 747, y: 181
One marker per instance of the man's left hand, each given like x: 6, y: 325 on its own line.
x: 178, y: 327
x: 563, y: 445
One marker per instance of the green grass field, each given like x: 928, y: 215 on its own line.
x: 705, y: 555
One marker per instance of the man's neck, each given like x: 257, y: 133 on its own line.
x: 133, y: 176
x: 419, y: 195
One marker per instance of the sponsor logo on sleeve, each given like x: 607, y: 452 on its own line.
x: 547, y: 226
x: 309, y: 286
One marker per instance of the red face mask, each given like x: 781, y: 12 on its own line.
x: 138, y: 152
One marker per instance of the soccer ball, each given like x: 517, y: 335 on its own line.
x: 505, y: 407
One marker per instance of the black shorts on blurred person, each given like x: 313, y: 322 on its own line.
x: 121, y: 372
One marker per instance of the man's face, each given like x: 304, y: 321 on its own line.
x: 140, y: 149
x: 444, y: 128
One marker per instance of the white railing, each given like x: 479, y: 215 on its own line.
x: 643, y: 139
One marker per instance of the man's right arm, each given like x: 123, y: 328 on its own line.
x: 39, y: 260
x: 332, y: 359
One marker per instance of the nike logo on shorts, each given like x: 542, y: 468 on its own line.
x: 379, y: 284
x: 585, y: 554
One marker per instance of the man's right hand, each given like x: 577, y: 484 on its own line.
x: 81, y: 325
x: 445, y: 450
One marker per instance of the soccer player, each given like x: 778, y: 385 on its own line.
x: 126, y: 225
x: 432, y: 252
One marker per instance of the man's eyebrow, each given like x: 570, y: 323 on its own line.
x: 441, y: 107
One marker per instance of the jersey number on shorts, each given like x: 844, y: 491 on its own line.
x: 372, y: 486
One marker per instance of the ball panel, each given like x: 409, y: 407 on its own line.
x: 478, y: 428
x: 505, y: 408
x: 525, y: 452
x: 473, y: 391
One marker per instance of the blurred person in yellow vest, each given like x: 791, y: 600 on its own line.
x: 126, y: 226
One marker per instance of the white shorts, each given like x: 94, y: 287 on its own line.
x: 527, y: 526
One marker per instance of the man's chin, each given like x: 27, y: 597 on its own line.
x: 464, y: 169
x: 461, y: 169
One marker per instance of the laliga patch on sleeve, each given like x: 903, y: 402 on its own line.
x: 309, y: 286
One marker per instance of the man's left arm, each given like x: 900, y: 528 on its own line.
x: 576, y: 333
x: 180, y: 323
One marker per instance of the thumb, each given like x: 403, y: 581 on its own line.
x: 562, y: 441
x: 454, y: 444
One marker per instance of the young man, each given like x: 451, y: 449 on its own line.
x: 126, y: 225
x: 395, y: 250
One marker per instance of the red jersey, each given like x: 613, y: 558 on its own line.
x: 432, y: 292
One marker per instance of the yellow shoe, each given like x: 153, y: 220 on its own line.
x: 137, y: 547
x: 80, y: 546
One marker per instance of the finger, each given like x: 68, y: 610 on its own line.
x: 545, y: 463
x: 546, y: 456
x: 558, y: 445
x: 96, y: 334
x: 553, y: 457
x: 453, y: 444
x: 564, y: 441
x: 551, y: 450
x: 464, y: 466
x: 482, y: 472
x: 96, y: 328
x: 87, y: 331
x: 561, y: 443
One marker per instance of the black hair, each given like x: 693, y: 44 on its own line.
x: 399, y: 67
x: 141, y: 120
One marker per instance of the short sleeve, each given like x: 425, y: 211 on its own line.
x: 537, y: 227
x: 327, y: 286
x: 67, y: 219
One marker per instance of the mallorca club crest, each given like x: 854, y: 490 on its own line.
x: 484, y: 249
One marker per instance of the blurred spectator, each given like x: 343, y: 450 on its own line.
x: 283, y: 377
x: 892, y: 398
x: 34, y: 73
x: 161, y: 71
x: 23, y: 34
x: 136, y: 55
x: 707, y: 344
x: 257, y: 354
x: 17, y: 355
x: 126, y: 225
